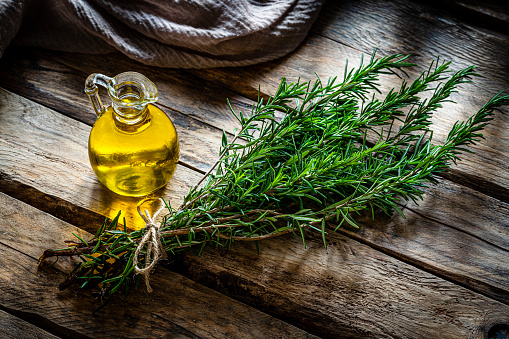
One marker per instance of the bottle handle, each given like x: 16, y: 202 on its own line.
x: 92, y: 91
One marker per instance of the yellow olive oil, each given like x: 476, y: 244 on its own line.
x: 134, y: 156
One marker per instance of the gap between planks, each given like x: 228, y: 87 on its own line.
x: 195, y: 311
x: 387, y: 287
x: 188, y: 159
x: 75, y: 148
x: 208, y: 100
x: 13, y: 327
x: 217, y: 141
x: 80, y: 132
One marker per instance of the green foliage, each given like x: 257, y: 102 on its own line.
x: 337, y: 150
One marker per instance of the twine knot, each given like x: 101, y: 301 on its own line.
x: 152, y: 239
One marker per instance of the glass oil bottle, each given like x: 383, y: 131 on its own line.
x: 133, y: 147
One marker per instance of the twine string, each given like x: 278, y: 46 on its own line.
x: 152, y: 240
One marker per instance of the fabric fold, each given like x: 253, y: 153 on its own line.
x: 176, y: 34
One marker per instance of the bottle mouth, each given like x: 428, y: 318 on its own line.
x: 130, y: 93
x: 132, y: 89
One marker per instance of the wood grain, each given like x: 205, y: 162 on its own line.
x: 52, y: 204
x: 327, y: 58
x: 36, y: 299
x: 290, y: 257
x: 56, y: 81
x: 36, y: 142
x: 444, y: 251
x: 178, y: 307
x: 423, y: 30
x: 465, y: 210
x: 427, y: 31
x: 348, y: 290
x: 483, y: 273
x: 493, y: 15
x: 12, y: 327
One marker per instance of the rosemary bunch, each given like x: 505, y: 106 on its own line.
x: 313, y: 169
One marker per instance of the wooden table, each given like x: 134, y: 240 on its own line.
x: 443, y: 272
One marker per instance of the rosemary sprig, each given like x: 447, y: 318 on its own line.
x: 313, y: 169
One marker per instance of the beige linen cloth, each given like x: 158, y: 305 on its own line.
x: 184, y: 34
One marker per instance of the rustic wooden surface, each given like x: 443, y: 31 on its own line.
x: 441, y: 272
x: 217, y: 316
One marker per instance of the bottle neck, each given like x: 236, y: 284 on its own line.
x: 129, y: 115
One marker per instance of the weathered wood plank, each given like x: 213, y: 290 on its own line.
x: 178, y: 306
x: 52, y: 204
x: 466, y: 210
x: 427, y: 31
x: 56, y: 80
x: 59, y: 85
x: 493, y: 15
x: 35, y: 297
x: 422, y: 29
x: 332, y: 315
x: 483, y: 170
x: 444, y: 251
x: 37, y: 142
x: 483, y: 273
x: 348, y: 290
x: 16, y: 328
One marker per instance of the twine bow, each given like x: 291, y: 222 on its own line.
x: 152, y: 239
